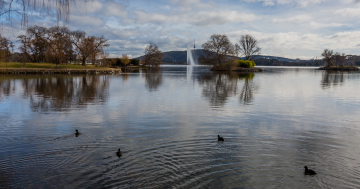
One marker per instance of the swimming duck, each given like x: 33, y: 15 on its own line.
x: 309, y: 171
x: 77, y: 133
x: 119, y: 153
x: 220, y: 138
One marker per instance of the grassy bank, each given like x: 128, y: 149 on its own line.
x: 14, y: 65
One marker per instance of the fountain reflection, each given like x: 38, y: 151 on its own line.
x: 64, y: 93
x: 219, y: 86
x: 153, y: 78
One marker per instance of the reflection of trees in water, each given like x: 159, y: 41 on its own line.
x: 6, y: 87
x: 153, y: 78
x: 246, y: 95
x: 217, y: 87
x: 65, y: 93
x: 332, y: 78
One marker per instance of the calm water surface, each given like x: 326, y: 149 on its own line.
x: 166, y: 123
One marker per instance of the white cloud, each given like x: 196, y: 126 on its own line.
x: 115, y: 9
x: 294, y: 19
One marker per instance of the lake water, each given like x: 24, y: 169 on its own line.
x: 166, y: 123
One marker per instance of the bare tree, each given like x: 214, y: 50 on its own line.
x: 104, y: 56
x: 248, y: 47
x: 85, y: 46
x: 153, y: 56
x: 218, y: 51
x: 6, y: 46
x: 328, y: 56
x: 339, y: 59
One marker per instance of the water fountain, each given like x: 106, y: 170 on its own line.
x: 190, y: 58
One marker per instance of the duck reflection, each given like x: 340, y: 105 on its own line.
x: 153, y: 78
x: 219, y: 86
x: 63, y: 93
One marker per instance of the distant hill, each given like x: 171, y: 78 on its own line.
x: 180, y: 57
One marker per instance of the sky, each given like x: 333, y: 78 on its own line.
x: 286, y: 28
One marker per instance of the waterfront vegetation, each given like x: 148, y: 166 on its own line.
x: 12, y: 65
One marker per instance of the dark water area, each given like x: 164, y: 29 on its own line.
x: 166, y: 123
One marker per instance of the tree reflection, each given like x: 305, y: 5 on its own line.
x: 6, y: 87
x: 246, y: 95
x: 218, y: 87
x: 153, y: 78
x: 65, y: 93
x: 332, y: 79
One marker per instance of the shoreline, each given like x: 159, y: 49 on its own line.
x: 339, y: 68
x: 43, y: 71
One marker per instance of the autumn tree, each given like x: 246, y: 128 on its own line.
x: 6, y: 46
x: 34, y: 44
x: 153, y: 56
x: 248, y: 47
x: 328, y: 57
x: 218, y: 51
x: 59, y: 46
x: 125, y: 59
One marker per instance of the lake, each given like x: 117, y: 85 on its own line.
x: 166, y: 123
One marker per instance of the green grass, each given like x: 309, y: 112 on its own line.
x: 48, y: 66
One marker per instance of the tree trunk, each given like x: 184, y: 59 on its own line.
x: 83, y: 62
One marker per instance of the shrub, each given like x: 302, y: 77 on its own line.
x: 246, y: 63
x: 135, y: 62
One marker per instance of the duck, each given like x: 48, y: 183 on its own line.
x: 309, y: 171
x: 77, y: 133
x: 119, y: 153
x: 220, y: 138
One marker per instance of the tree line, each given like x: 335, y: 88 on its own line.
x: 55, y: 45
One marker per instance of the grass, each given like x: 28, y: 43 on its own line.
x: 12, y: 65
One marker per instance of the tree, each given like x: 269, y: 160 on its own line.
x: 34, y: 44
x: 5, y: 49
x: 104, y: 56
x: 85, y: 46
x: 59, y: 44
x: 328, y: 56
x: 153, y: 56
x: 339, y: 59
x: 248, y: 47
x: 218, y: 51
x: 125, y: 59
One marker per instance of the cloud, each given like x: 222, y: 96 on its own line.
x: 329, y: 25
x: 202, y: 18
x: 348, y: 12
x: 115, y: 9
x: 300, y: 3
x: 294, y: 19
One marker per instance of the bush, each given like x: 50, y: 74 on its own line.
x: 135, y: 62
x: 246, y: 63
